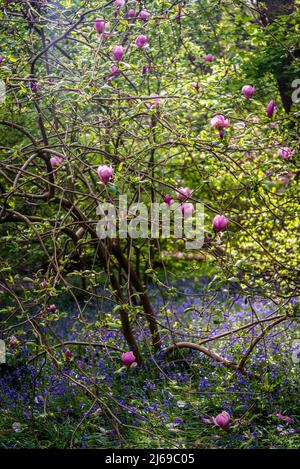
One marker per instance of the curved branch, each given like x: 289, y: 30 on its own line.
x: 70, y: 342
x: 210, y: 353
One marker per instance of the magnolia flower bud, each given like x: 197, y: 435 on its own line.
x: 154, y: 102
x: 183, y: 193
x: 187, y: 209
x: 34, y: 86
x: 220, y: 223
x: 100, y: 26
x: 114, y: 71
x: 131, y: 13
x: 209, y: 58
x: 68, y: 354
x: 55, y: 161
x: 13, y: 342
x: 285, y: 153
x: 144, y: 15
x: 118, y: 53
x: 119, y: 3
x: 219, y: 122
x: 52, y: 308
x: 270, y: 108
x: 146, y: 69
x: 141, y: 41
x: 128, y: 358
x: 285, y: 178
x: 222, y: 420
x: 168, y: 199
x: 178, y: 17
x: 248, y: 91
x: 287, y: 419
x: 105, y: 173
x: 42, y: 314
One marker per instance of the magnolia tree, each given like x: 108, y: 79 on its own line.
x: 151, y: 105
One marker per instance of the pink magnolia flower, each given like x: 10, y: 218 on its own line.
x: 168, y: 199
x: 100, y: 26
x: 105, y: 173
x: 52, y: 308
x: 222, y: 420
x: 141, y: 41
x: 118, y: 53
x: 119, y: 3
x: 183, y: 193
x: 146, y: 69
x: 1, y: 59
x: 270, y: 108
x: 248, y: 91
x: 219, y: 122
x: 209, y: 58
x: 114, y: 71
x: 13, y: 342
x: 42, y: 314
x: 285, y: 153
x: 285, y: 178
x: 187, y: 209
x: 131, y: 13
x: 144, y: 15
x: 287, y: 419
x: 34, y: 87
x: 128, y: 358
x: 220, y: 223
x: 68, y: 354
x: 154, y: 101
x: 178, y: 17
x: 55, y: 161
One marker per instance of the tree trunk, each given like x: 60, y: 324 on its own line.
x: 273, y: 9
x: 278, y: 7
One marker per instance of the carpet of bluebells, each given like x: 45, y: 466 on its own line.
x: 169, y: 401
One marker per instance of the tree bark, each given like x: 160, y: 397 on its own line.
x: 273, y: 9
